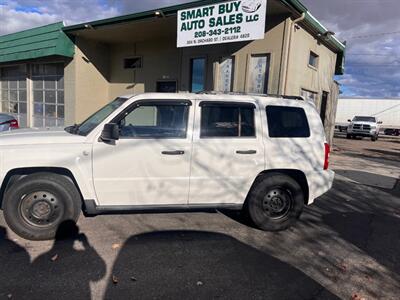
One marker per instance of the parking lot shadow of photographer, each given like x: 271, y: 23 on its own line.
x: 63, y: 272
x: 14, y: 265
x: 204, y: 265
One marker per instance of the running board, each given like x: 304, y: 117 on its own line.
x: 92, y: 209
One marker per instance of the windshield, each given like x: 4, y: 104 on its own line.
x: 93, y: 121
x: 364, y: 119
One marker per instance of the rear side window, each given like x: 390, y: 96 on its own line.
x: 287, y: 122
x: 227, y: 120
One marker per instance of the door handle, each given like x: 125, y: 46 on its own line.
x: 246, y: 152
x: 176, y: 152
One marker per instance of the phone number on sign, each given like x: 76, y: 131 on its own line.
x: 216, y: 32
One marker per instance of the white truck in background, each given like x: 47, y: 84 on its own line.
x: 386, y: 111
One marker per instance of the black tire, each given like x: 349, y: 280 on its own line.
x: 37, y: 204
x: 269, y: 212
x: 348, y: 136
x: 374, y: 138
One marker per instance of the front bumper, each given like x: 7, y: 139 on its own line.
x: 361, y: 133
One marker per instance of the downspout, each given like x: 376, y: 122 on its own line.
x: 301, y: 18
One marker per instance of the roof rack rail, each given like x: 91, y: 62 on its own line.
x: 250, y: 94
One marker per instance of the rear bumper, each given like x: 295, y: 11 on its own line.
x: 319, y: 183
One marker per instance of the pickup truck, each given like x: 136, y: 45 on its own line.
x: 362, y: 126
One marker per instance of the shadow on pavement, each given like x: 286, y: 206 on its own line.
x: 370, y: 179
x: 64, y: 272
x: 14, y: 265
x: 201, y: 265
x: 377, y: 235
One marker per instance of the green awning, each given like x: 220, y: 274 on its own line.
x: 34, y: 43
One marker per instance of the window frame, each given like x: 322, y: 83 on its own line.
x: 133, y: 57
x: 288, y: 137
x: 248, y: 75
x: 35, y: 77
x: 217, y: 73
x: 191, y: 72
x: 150, y: 102
x: 316, y: 56
x: 241, y: 104
x: 22, y: 118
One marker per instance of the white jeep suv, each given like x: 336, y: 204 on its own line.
x: 168, y: 152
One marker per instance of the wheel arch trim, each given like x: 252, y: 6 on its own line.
x: 15, y: 174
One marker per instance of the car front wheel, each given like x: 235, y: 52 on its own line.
x: 275, y: 202
x: 36, y: 205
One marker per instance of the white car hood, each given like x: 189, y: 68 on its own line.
x: 39, y: 136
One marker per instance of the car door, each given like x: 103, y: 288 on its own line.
x: 228, y: 152
x: 150, y: 163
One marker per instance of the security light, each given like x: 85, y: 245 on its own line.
x: 159, y: 14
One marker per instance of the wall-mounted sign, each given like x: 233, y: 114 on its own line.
x: 225, y: 22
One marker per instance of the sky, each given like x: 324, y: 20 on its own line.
x: 370, y: 27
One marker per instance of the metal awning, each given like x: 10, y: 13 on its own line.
x: 35, y: 43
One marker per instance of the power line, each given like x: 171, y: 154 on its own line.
x: 373, y: 35
x: 371, y: 54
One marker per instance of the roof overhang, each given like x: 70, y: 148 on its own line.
x: 35, y: 43
x: 295, y: 6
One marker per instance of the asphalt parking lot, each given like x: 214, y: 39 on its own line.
x: 346, y: 246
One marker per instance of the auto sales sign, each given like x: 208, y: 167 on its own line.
x: 225, y: 22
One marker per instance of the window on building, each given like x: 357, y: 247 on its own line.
x: 287, y: 122
x: 324, y: 106
x: 309, y: 96
x: 156, y: 121
x: 225, y: 73
x: 313, y: 60
x: 198, y: 74
x: 227, y: 120
x: 48, y: 95
x: 13, y: 93
x: 133, y: 62
x: 258, y: 74
x: 166, y: 86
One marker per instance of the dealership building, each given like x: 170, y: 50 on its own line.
x: 57, y: 75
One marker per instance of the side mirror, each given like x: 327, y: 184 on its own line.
x: 349, y: 121
x: 110, y: 132
x: 380, y: 122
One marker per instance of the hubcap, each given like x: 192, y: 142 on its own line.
x: 41, y: 208
x: 277, y: 203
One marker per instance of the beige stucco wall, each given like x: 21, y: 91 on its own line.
x: 160, y: 59
x: 92, y: 69
x: 69, y: 92
x: 300, y: 74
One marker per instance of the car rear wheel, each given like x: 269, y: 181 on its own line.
x: 37, y: 204
x: 275, y: 202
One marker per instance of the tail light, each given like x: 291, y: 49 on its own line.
x: 327, y: 152
x: 14, y: 124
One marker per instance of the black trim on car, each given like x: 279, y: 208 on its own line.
x: 227, y: 104
x: 92, y: 209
